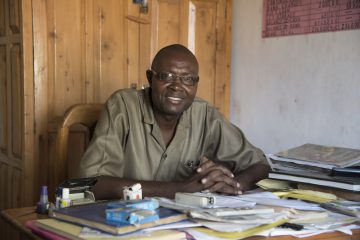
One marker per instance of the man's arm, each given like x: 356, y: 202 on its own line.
x: 209, y: 176
x: 250, y: 176
x: 108, y: 187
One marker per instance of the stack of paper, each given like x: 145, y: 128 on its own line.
x: 325, y: 157
x: 243, y: 219
x: 319, y: 165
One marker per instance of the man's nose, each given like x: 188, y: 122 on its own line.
x: 177, y: 83
x: 177, y: 80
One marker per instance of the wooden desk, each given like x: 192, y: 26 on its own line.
x: 19, y: 216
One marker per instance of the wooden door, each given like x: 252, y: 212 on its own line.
x: 15, y: 131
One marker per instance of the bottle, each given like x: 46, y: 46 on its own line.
x: 65, y: 200
x: 43, y: 205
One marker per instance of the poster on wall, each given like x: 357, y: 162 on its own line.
x: 292, y: 17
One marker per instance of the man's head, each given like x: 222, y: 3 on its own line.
x: 173, y: 80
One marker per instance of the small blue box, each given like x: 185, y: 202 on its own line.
x: 131, y: 215
x: 149, y: 204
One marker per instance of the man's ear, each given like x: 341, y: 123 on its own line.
x: 149, y: 76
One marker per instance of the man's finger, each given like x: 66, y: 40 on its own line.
x: 211, y: 166
x: 206, y: 164
x: 217, y: 176
x: 222, y: 187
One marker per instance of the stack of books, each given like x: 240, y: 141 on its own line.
x: 92, y: 221
x: 318, y: 165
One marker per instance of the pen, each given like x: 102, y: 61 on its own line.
x: 293, y: 226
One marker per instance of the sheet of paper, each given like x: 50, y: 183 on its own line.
x: 226, y: 227
x: 177, y: 225
x: 244, y: 219
x: 307, y: 233
x: 270, y: 199
x: 276, y: 232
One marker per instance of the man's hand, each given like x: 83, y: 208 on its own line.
x: 217, y: 178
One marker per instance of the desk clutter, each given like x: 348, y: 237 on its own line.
x: 262, y: 212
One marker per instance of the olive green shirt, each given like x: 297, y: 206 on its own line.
x: 128, y: 142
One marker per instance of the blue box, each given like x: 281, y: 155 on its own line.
x: 131, y: 215
x: 149, y: 204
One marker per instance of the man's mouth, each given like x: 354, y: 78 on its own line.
x: 175, y: 99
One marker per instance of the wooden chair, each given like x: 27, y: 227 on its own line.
x: 86, y: 114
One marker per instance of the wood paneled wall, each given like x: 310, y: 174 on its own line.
x: 82, y: 50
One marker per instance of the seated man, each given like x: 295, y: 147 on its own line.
x: 168, y: 140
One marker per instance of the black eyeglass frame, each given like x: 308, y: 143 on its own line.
x: 170, y: 78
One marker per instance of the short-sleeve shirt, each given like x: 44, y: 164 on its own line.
x: 128, y: 143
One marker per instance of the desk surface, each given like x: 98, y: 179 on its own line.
x: 19, y: 216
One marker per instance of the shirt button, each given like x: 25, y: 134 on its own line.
x: 164, y: 156
x: 190, y: 164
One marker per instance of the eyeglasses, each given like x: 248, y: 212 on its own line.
x: 170, y: 78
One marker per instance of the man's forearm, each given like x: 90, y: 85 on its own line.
x: 252, y: 175
x: 108, y: 187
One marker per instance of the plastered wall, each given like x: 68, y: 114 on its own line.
x: 286, y: 91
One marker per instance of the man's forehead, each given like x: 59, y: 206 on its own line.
x: 171, y: 58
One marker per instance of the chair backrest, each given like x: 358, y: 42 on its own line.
x: 86, y: 114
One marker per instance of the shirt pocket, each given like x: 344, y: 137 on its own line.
x: 187, y: 168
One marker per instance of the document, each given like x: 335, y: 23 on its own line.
x: 240, y: 219
x: 270, y: 199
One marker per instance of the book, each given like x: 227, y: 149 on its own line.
x: 281, y: 163
x: 347, y: 183
x: 340, y: 193
x: 93, y: 216
x: 64, y: 230
x: 31, y: 224
x: 321, y: 155
x: 346, y: 172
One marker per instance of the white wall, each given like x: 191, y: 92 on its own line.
x: 286, y: 91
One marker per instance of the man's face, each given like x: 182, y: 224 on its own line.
x: 173, y: 98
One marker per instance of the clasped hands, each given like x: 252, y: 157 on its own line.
x: 213, y: 177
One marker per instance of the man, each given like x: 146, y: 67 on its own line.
x: 168, y: 140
